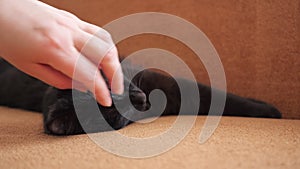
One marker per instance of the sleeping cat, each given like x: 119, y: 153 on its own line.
x: 19, y: 90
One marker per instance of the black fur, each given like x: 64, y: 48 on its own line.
x: 19, y: 90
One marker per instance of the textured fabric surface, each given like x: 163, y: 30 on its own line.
x: 257, y: 40
x: 237, y: 143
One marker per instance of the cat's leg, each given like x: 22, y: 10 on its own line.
x: 237, y: 105
x: 234, y: 105
x: 240, y: 106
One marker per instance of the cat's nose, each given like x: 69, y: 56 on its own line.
x: 138, y: 97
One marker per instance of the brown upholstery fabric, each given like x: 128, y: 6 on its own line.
x: 237, y: 143
x: 258, y: 41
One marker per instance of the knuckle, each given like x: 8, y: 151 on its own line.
x: 89, y: 81
x: 110, y: 56
x: 68, y: 14
x: 105, y: 35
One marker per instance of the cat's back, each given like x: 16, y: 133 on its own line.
x: 20, y: 90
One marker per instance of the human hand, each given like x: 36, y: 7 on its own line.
x: 45, y: 42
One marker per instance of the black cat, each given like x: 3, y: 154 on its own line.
x: 19, y: 90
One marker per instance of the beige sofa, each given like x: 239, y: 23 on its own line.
x: 258, y: 43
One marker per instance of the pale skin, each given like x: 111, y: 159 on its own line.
x: 49, y: 44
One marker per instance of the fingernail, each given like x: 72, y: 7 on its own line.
x: 106, y: 102
x: 118, y: 86
x: 118, y: 91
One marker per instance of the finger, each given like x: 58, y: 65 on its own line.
x: 69, y: 15
x: 84, y: 71
x: 79, y: 86
x: 91, y: 46
x: 50, y: 76
x: 110, y: 64
x: 88, y: 27
x: 96, y: 31
x: 113, y: 71
x: 100, y: 52
x: 97, y: 84
x: 55, y: 78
